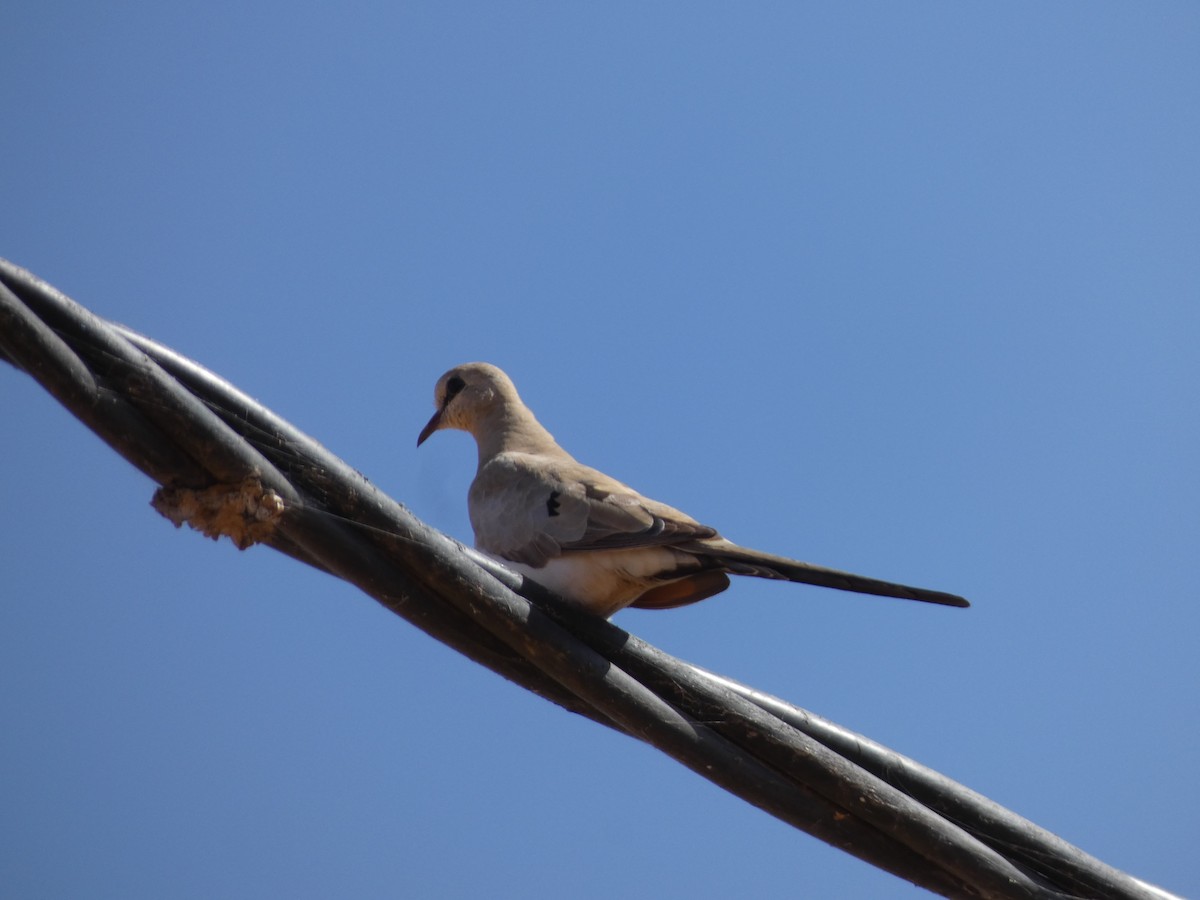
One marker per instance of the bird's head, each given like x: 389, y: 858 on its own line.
x: 467, y: 397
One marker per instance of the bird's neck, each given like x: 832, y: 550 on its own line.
x: 506, y: 430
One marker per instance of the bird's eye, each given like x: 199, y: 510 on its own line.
x: 453, y: 387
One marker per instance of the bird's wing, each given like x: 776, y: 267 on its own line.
x: 531, y: 508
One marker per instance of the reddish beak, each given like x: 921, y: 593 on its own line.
x: 430, y: 427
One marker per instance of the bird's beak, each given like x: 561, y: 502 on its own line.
x: 431, y: 426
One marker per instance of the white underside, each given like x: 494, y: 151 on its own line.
x: 605, y: 581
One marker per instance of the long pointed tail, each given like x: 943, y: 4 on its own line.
x: 744, y: 561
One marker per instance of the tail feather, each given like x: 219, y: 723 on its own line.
x: 744, y: 561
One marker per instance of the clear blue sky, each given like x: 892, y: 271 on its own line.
x: 908, y: 289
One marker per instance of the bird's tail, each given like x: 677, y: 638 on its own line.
x: 744, y: 561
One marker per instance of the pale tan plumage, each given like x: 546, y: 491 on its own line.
x: 586, y: 536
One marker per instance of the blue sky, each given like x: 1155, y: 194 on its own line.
x: 906, y: 289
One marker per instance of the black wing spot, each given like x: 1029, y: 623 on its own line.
x: 552, y: 504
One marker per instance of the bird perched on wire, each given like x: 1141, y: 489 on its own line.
x: 588, y: 537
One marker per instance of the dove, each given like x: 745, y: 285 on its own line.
x: 591, y: 539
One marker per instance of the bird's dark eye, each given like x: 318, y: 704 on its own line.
x: 453, y: 387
